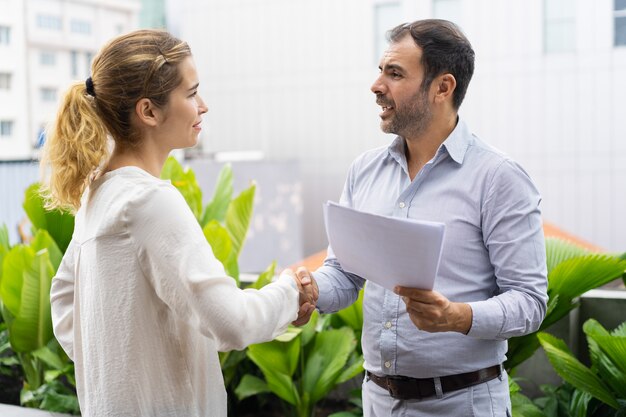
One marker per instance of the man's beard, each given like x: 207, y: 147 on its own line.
x: 409, y: 121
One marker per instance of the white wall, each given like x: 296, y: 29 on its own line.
x: 292, y: 78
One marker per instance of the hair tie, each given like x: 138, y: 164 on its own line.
x: 89, y: 87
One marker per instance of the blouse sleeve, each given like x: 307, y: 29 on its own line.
x: 179, y: 263
x: 62, y: 301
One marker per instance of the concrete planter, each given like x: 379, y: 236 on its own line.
x: 14, y: 411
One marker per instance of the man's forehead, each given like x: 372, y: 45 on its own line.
x: 402, y: 52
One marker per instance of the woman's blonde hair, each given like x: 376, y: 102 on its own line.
x: 140, y: 64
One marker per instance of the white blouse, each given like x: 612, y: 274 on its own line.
x: 142, y: 306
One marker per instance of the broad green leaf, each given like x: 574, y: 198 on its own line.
x: 185, y: 181
x: 277, y: 356
x: 216, y: 209
x: 50, y: 358
x: 60, y: 225
x: 326, y: 361
x: 265, y: 277
x: 15, y: 263
x: 4, y: 237
x: 579, y: 403
x: 571, y: 370
x: 32, y: 327
x: 238, y: 217
x: 289, y: 334
x: 222, y: 247
x: 43, y: 240
x: 250, y: 385
x: 355, y: 367
x: 344, y: 414
x: 278, y: 361
x: 522, y: 406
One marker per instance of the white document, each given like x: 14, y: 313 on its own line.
x: 389, y: 251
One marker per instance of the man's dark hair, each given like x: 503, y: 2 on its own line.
x: 445, y: 49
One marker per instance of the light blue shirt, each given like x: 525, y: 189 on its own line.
x: 493, y: 255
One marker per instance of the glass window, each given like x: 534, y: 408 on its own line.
x: 620, y: 22
x: 5, y: 81
x: 47, y: 58
x: 46, y: 21
x: 386, y: 17
x: 74, y: 63
x: 80, y: 26
x: 88, y: 58
x: 48, y: 94
x: 6, y: 128
x: 559, y: 26
x: 5, y: 35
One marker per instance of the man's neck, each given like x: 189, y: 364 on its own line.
x: 422, y: 148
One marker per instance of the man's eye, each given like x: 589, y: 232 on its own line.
x: 395, y: 75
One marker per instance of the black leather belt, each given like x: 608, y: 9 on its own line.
x: 405, y: 388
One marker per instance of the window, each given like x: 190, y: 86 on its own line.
x: 46, y: 21
x: 448, y: 10
x: 5, y: 81
x: 559, y: 26
x: 88, y: 58
x: 620, y: 22
x: 6, y: 128
x: 386, y: 17
x: 80, y: 26
x: 47, y: 58
x: 5, y: 35
x: 74, y: 63
x: 48, y: 95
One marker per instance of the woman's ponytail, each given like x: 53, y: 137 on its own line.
x: 75, y: 147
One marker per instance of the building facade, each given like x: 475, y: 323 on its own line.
x: 45, y: 45
x: 292, y: 78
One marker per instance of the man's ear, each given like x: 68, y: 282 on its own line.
x: 445, y: 85
x: 147, y: 113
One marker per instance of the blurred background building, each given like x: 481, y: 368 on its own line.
x: 290, y: 79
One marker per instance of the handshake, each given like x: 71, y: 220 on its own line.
x: 307, y: 288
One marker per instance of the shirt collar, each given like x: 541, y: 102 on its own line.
x: 456, y: 144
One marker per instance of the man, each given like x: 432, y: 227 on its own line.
x: 439, y: 353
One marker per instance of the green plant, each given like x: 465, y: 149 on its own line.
x: 600, y: 389
x: 224, y: 220
x: 572, y: 271
x: 303, y: 365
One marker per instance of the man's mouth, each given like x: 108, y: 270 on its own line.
x: 386, y: 111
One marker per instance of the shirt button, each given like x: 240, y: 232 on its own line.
x: 387, y: 364
x: 402, y: 205
x: 388, y: 325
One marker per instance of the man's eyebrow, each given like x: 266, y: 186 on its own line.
x: 392, y: 67
x: 194, y: 87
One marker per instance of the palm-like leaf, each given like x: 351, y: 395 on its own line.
x: 559, y: 250
x: 608, y: 353
x: 571, y: 370
x: 221, y: 243
x: 265, y: 277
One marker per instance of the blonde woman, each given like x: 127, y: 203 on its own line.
x: 139, y: 302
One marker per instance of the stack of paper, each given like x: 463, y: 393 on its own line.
x: 389, y: 251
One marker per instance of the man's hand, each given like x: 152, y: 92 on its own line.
x: 310, y: 292
x: 432, y: 312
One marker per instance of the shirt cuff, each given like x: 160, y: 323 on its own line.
x: 326, y: 299
x: 487, y: 319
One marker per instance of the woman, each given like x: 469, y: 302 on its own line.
x: 139, y: 302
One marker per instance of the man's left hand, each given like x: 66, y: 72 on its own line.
x: 432, y: 312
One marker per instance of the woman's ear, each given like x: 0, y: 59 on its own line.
x: 445, y: 86
x: 147, y: 113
